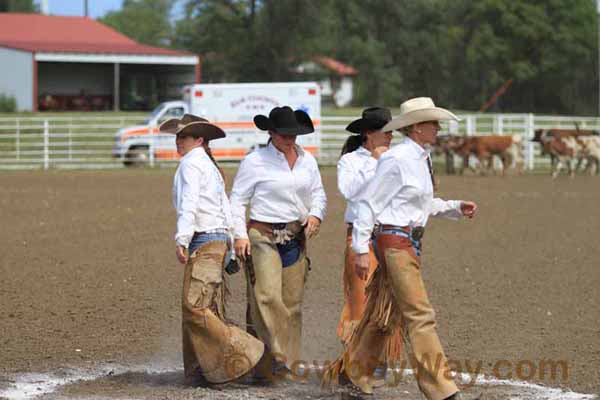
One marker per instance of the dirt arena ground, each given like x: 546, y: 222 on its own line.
x: 90, y: 284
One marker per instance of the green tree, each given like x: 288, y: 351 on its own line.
x: 457, y: 51
x: 568, y: 74
x: 146, y: 21
x: 22, y: 6
x: 222, y: 33
x: 249, y: 40
x: 540, y: 46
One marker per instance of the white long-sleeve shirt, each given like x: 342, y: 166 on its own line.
x: 400, y: 193
x: 354, y: 170
x: 275, y: 192
x: 199, y: 197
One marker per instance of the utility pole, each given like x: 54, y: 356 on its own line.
x: 44, y: 7
x: 598, y: 24
x: 85, y: 7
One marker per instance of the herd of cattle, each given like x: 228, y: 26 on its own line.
x: 575, y: 149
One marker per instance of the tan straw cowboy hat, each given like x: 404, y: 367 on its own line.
x: 191, y: 125
x: 419, y: 109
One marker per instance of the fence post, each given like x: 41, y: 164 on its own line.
x: 529, y: 133
x: 500, y: 127
x: 70, y: 138
x: 46, y: 144
x: 495, y: 123
x: 18, y: 139
x: 470, y: 125
x: 151, y: 149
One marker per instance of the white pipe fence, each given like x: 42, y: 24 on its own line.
x: 87, y: 142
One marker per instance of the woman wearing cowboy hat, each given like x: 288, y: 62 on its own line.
x: 355, y: 169
x: 282, y: 184
x: 400, y: 199
x: 213, y: 350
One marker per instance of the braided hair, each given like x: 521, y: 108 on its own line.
x: 212, y: 158
x: 208, y: 151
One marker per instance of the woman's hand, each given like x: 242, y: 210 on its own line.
x: 378, y: 151
x: 181, y: 254
x: 361, y: 266
x: 242, y: 248
x: 311, y: 226
x: 468, y: 208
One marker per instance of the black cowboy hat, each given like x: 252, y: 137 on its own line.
x: 373, y: 118
x: 191, y: 125
x: 285, y: 121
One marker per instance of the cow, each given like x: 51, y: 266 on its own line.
x: 544, y: 137
x: 484, y: 148
x: 591, y: 152
x: 565, y: 150
x: 442, y: 146
x: 451, y: 145
x: 562, y: 133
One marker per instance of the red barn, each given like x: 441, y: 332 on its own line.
x: 56, y: 62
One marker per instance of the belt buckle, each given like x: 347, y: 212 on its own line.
x: 416, y: 233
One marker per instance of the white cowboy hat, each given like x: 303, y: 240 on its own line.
x: 419, y: 109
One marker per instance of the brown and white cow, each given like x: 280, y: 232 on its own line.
x: 484, y: 148
x: 591, y: 152
x: 545, y: 136
x: 565, y: 150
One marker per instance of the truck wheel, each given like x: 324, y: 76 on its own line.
x: 137, y: 156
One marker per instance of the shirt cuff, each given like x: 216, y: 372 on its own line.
x: 455, y: 204
x: 183, y: 240
x: 454, y: 212
x: 240, y: 233
x: 361, y: 249
x: 317, y: 214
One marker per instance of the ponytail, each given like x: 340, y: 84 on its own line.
x: 209, y: 153
x: 352, y: 143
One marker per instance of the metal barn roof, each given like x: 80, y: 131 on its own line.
x: 58, y: 37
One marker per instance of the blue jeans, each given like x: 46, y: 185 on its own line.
x: 289, y: 252
x: 200, y: 239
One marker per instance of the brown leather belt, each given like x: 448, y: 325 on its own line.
x: 266, y: 228
x: 386, y: 227
x: 260, y: 226
x: 379, y: 228
x: 415, y: 232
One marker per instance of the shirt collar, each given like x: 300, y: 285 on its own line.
x: 418, y: 150
x: 363, y: 150
x: 195, y: 150
x: 275, y: 150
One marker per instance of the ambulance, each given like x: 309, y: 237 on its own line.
x: 230, y: 106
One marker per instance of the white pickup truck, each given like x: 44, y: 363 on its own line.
x: 230, y: 106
